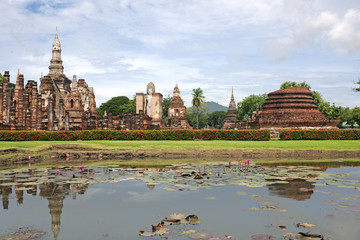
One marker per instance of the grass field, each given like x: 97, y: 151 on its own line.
x: 178, y: 145
x: 157, y: 153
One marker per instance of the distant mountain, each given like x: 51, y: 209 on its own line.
x: 213, y: 107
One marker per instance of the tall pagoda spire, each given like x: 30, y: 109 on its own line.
x: 176, y: 91
x: 56, y: 67
x: 232, y: 104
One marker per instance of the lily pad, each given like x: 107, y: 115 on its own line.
x: 24, y: 234
x: 241, y: 193
x: 146, y: 234
x: 189, y: 231
x: 304, y: 224
x: 262, y: 237
x: 211, y: 198
x: 179, y: 216
x: 199, y: 235
x: 193, y: 219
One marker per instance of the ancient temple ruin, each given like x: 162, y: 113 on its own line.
x: 55, y: 106
x: 230, y: 120
x: 291, y: 108
x: 148, y: 114
x: 177, y: 111
x: 150, y: 104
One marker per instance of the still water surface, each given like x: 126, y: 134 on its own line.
x: 116, y: 203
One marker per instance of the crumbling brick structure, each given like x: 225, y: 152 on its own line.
x: 291, y: 108
x: 230, y: 120
x: 177, y: 111
x: 56, y: 106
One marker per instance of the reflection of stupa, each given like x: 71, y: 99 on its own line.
x: 298, y: 189
x: 5, y: 191
x: 55, y: 206
x: 55, y: 194
x: 19, y: 194
x: 151, y: 186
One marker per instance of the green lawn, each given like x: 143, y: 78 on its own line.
x: 178, y: 145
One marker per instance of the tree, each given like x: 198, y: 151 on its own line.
x: 248, y: 105
x: 201, y: 118
x: 129, y: 107
x: 290, y: 84
x: 215, y: 119
x: 1, y: 77
x: 345, y: 116
x: 197, y: 101
x: 165, y: 104
x: 357, y: 89
x: 355, y: 115
x: 118, y: 105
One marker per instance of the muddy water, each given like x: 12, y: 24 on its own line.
x: 229, y: 200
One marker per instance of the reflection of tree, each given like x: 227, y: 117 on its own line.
x: 298, y: 189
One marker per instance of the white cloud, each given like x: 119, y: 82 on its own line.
x: 346, y: 34
x: 77, y: 65
x: 325, y: 27
x: 162, y: 68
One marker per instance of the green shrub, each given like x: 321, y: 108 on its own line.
x: 178, y: 134
x: 340, y: 134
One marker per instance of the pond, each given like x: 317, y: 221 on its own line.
x: 208, y: 201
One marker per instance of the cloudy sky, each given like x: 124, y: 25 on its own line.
x: 119, y: 46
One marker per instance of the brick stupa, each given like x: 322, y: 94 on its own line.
x: 177, y: 111
x: 230, y: 121
x: 291, y: 108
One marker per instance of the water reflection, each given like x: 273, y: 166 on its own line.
x: 298, y: 189
x: 5, y: 191
x: 56, y: 185
x: 54, y: 192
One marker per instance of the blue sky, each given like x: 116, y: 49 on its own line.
x: 251, y: 46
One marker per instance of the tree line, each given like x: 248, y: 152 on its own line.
x: 198, y: 116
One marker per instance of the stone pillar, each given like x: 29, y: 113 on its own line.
x: 18, y: 102
x: 6, y: 103
x: 139, y: 102
x: 156, y: 105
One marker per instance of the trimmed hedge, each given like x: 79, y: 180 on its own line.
x: 341, y: 134
x: 180, y: 134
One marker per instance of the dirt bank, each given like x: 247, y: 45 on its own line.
x: 62, y: 152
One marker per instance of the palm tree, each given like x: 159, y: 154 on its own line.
x: 197, y: 101
x: 358, y: 88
